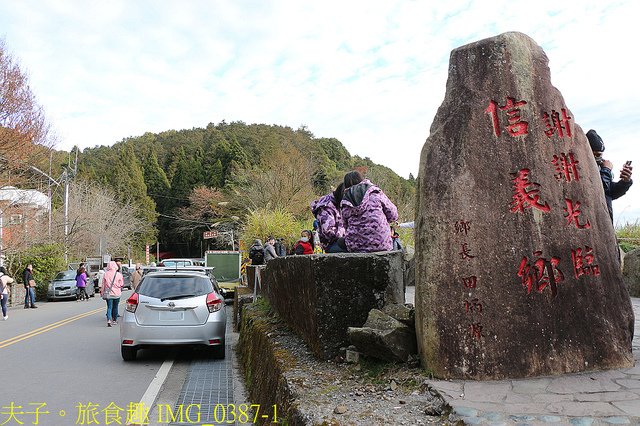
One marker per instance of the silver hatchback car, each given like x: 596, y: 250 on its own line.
x: 174, y: 308
x: 63, y: 286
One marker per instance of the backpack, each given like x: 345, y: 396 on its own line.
x: 256, y: 254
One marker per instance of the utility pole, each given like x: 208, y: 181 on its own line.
x: 66, y: 215
x: 49, y: 193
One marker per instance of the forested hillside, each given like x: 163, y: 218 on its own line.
x: 189, y: 181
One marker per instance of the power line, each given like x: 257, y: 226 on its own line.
x: 184, y: 220
x: 167, y: 196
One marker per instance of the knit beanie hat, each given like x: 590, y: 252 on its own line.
x: 595, y: 141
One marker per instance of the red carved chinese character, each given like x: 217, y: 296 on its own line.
x: 516, y: 127
x: 476, y: 330
x: 470, y: 282
x: 465, y: 252
x: 571, y: 212
x: 583, y: 264
x: 554, y: 123
x: 526, y: 193
x: 566, y: 167
x: 462, y: 227
x: 541, y: 274
x: 473, y: 306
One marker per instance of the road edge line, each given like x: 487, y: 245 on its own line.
x: 153, y: 390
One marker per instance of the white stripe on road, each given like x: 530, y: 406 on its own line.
x: 153, y: 390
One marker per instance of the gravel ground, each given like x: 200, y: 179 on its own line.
x: 366, y: 393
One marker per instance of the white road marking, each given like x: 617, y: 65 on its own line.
x: 153, y: 390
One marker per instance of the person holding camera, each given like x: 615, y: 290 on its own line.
x: 612, y: 190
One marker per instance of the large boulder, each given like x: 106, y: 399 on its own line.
x: 320, y: 296
x: 631, y: 272
x: 403, y: 313
x: 517, y: 272
x: 384, y: 337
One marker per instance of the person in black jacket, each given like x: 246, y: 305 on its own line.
x: 29, y: 287
x: 256, y: 253
x: 612, y: 190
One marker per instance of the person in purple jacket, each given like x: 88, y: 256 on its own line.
x: 330, y: 228
x: 366, y: 213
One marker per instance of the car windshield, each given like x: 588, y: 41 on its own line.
x: 66, y: 275
x: 177, y: 263
x: 175, y: 287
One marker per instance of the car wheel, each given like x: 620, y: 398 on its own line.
x: 128, y: 353
x: 218, y: 352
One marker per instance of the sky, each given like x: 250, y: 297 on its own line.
x: 369, y: 73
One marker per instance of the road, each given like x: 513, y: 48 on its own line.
x: 61, y: 365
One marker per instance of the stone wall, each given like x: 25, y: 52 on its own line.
x: 264, y: 365
x: 320, y: 296
x: 16, y: 295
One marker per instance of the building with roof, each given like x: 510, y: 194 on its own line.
x: 22, y: 214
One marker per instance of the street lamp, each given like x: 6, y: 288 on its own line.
x: 66, y: 175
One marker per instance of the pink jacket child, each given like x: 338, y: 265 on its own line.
x: 111, y: 289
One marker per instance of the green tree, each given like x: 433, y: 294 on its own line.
x: 47, y: 261
x: 156, y: 180
x: 261, y: 223
x: 129, y: 185
x: 187, y: 175
x: 284, y: 182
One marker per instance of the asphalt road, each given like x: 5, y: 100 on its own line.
x: 63, y: 355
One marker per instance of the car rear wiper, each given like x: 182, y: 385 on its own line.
x: 178, y: 296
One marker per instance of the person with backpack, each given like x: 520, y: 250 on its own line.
x: 256, y: 253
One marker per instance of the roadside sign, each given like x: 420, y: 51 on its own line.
x: 209, y: 234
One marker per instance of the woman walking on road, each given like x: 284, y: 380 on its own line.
x: 5, y: 281
x: 81, y: 284
x: 111, y: 289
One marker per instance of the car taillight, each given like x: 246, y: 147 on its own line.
x: 213, y: 303
x: 132, y: 302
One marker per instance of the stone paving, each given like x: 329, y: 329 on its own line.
x: 584, y: 399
